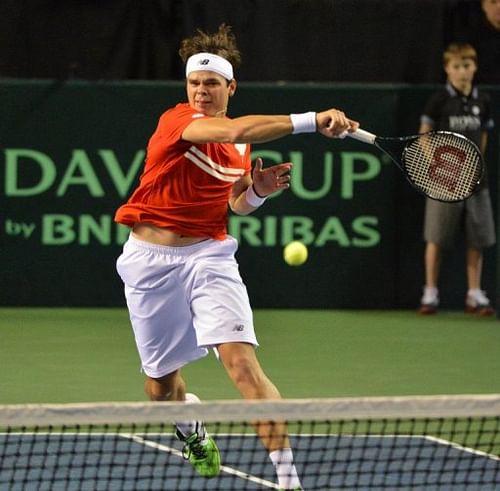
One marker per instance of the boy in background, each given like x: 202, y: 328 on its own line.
x: 462, y: 108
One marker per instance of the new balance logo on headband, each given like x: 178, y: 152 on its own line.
x: 210, y: 62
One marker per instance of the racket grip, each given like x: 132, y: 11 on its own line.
x: 362, y: 136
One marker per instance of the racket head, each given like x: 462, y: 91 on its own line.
x: 443, y: 165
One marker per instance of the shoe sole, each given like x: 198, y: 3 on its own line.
x: 481, y: 311
x: 427, y: 310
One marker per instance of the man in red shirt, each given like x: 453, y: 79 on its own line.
x: 183, y: 288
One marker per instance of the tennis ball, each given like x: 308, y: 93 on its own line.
x: 295, y: 253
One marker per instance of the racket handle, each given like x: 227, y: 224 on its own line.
x: 362, y: 136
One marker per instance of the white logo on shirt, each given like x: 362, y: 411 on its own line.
x: 464, y: 123
x: 241, y: 147
x: 205, y: 163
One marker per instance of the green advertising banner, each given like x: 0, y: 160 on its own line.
x: 72, y: 153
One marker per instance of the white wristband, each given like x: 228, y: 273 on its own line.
x: 252, y: 198
x: 303, y: 123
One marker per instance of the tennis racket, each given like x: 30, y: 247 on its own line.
x: 442, y: 165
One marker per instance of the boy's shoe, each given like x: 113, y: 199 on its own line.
x: 428, y: 308
x: 200, y: 449
x: 429, y: 301
x: 476, y: 302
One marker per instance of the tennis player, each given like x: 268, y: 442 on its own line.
x: 182, y: 285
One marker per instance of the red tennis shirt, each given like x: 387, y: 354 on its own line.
x: 185, y: 187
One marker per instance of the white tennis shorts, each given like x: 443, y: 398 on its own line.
x: 183, y: 300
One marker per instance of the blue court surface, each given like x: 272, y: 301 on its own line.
x: 135, y: 462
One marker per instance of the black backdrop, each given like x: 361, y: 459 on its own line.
x: 294, y: 40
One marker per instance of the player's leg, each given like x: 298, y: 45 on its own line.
x: 170, y: 387
x: 165, y: 338
x: 199, y: 447
x: 245, y: 371
x: 223, y: 318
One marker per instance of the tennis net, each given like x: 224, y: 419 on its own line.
x: 418, y: 443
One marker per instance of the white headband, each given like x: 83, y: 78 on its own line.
x: 210, y: 62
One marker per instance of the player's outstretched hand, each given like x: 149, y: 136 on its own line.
x: 271, y: 179
x: 335, y: 124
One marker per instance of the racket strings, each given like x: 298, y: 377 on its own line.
x: 445, y: 167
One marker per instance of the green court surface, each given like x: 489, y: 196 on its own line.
x: 80, y: 355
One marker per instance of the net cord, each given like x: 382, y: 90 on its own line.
x: 18, y: 415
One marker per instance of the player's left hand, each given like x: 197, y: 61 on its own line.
x: 268, y: 181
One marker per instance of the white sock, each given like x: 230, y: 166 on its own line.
x: 430, y: 294
x: 286, y: 472
x: 187, y: 428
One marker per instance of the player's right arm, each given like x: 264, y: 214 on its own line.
x: 246, y: 129
x: 262, y: 128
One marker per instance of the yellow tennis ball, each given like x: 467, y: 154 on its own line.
x: 295, y: 253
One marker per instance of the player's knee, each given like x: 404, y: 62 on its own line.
x: 244, y: 371
x: 168, y: 388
